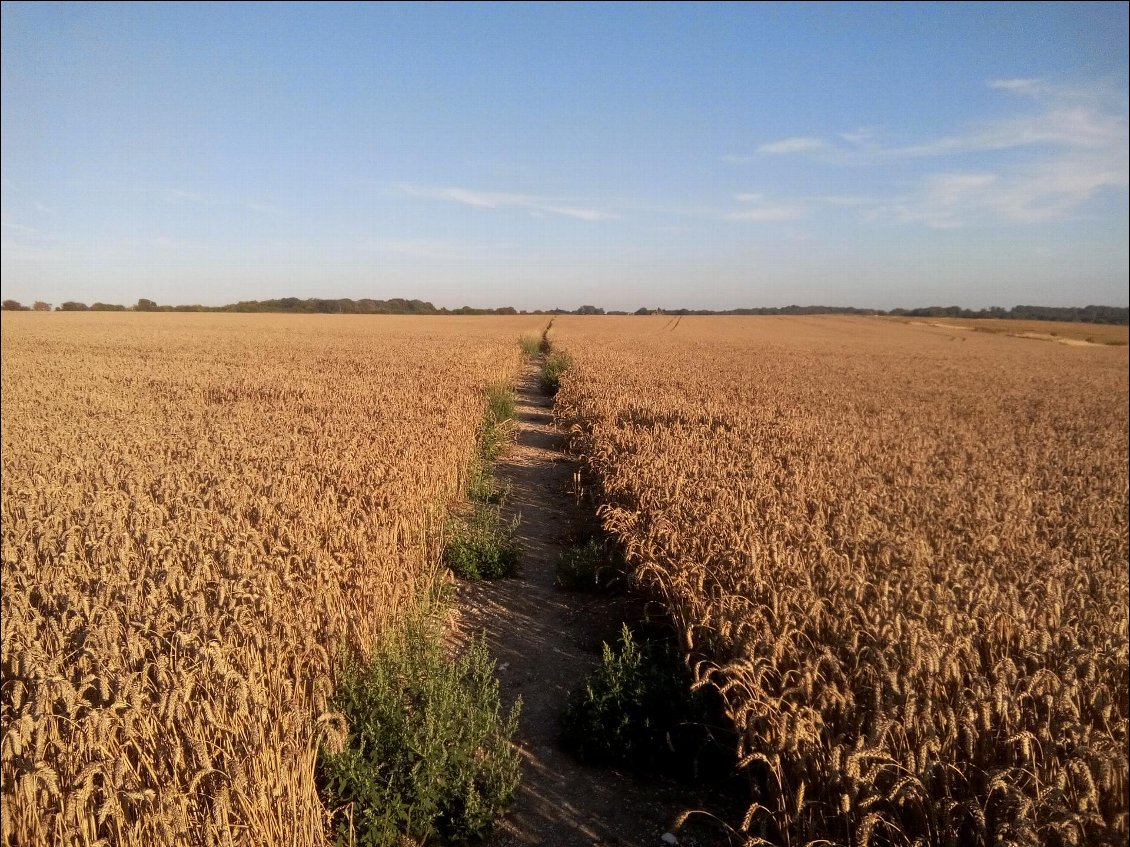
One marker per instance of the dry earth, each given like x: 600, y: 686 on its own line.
x: 545, y: 641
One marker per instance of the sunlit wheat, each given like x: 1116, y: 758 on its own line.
x: 900, y: 556
x: 199, y: 514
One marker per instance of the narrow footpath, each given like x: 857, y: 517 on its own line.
x: 545, y: 641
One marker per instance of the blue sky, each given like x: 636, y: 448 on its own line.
x: 709, y: 156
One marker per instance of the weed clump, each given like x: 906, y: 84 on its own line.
x: 500, y: 405
x: 427, y: 753
x: 555, y: 364
x: 496, y: 432
x: 483, y: 487
x: 531, y: 346
x: 636, y: 709
x: 586, y: 568
x: 481, y: 546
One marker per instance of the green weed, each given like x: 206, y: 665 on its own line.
x: 636, y: 709
x: 481, y: 546
x: 428, y: 750
x: 586, y: 568
x: 531, y: 346
x: 555, y: 364
x: 500, y: 404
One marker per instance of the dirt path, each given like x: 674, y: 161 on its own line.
x: 545, y: 641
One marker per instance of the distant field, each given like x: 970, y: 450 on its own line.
x: 199, y: 513
x: 902, y: 560
x: 1046, y: 330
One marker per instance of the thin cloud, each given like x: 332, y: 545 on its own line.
x: 17, y: 251
x: 800, y: 144
x: 198, y: 198
x: 21, y: 230
x: 1038, y: 192
x: 22, y: 243
x: 767, y: 213
x: 861, y: 136
x: 1092, y: 117
x: 1075, y: 147
x: 1030, y: 87
x: 758, y: 207
x: 845, y: 200
x: 506, y: 200
x: 1042, y: 88
x: 1077, y: 126
x: 435, y: 248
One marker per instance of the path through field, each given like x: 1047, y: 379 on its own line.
x: 545, y: 641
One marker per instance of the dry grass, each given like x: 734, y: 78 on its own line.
x: 199, y: 513
x: 900, y: 557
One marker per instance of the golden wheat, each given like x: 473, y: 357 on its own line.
x: 200, y: 512
x: 900, y: 555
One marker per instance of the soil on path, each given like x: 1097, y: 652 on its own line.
x: 545, y: 641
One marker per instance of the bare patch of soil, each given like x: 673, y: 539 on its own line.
x: 1044, y: 336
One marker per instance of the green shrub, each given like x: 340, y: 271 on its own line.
x: 555, y: 364
x: 586, y: 568
x: 636, y: 709
x: 481, y: 547
x: 428, y: 750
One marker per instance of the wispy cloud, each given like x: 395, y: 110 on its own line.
x: 435, y: 248
x: 12, y: 228
x: 1074, y: 146
x: 1042, y: 191
x: 846, y: 200
x: 22, y: 243
x: 1072, y: 117
x: 19, y: 251
x: 200, y: 198
x: 1068, y: 126
x: 507, y: 200
x: 800, y: 144
x: 1036, y: 87
x: 758, y: 207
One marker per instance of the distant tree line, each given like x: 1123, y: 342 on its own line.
x: 313, y: 305
x: 1073, y: 314
x: 767, y: 310
x: 399, y: 306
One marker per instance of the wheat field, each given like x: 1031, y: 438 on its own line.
x: 201, y: 513
x: 899, y: 554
